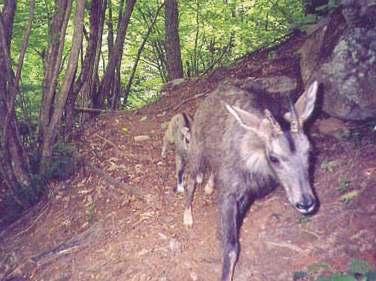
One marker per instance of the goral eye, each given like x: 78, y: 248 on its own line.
x: 273, y: 159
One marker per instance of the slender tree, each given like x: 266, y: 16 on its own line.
x: 115, y: 57
x: 55, y: 104
x: 173, y: 52
x: 139, y: 52
x: 14, y: 164
x: 85, y: 84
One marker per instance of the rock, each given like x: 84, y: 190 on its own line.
x: 332, y: 127
x: 282, y: 85
x: 164, y: 125
x: 341, y: 55
x: 349, y: 79
x: 141, y: 138
x: 143, y: 118
x: 139, y: 168
x: 161, y: 114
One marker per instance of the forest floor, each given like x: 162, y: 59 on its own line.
x: 90, y: 229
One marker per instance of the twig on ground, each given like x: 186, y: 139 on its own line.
x: 34, y: 221
x: 116, y: 183
x: 286, y: 245
x: 72, y: 245
x: 109, y: 142
x: 96, y: 110
x: 31, y: 215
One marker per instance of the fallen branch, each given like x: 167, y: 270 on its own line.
x: 96, y: 110
x: 34, y: 220
x: 183, y: 102
x: 27, y: 220
x: 287, y: 245
x: 88, y: 109
x: 109, y: 142
x: 72, y: 245
x: 116, y: 183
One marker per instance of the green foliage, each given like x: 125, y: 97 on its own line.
x: 359, y: 266
x: 33, y: 71
x: 344, y: 184
x: 338, y: 277
x: 304, y: 220
x: 358, y: 270
x: 317, y: 267
x: 328, y: 166
x: 212, y: 33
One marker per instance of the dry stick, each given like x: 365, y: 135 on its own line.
x: 183, y: 102
x: 71, y: 245
x: 35, y: 220
x: 92, y: 110
x: 108, y: 141
x: 96, y: 110
x: 28, y: 218
x: 287, y: 245
x: 116, y: 183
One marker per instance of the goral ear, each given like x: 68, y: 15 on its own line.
x: 261, y: 126
x: 305, y: 104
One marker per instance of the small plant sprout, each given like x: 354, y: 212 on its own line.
x: 329, y: 165
x: 344, y: 184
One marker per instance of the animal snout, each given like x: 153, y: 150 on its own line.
x: 307, y: 205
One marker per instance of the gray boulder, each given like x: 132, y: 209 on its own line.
x: 349, y: 78
x: 347, y: 69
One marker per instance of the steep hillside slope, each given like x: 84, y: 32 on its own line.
x: 118, y: 218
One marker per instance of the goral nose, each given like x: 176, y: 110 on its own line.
x: 307, y: 205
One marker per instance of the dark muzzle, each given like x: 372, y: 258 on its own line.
x: 307, y: 205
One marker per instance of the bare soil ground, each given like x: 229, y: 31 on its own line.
x: 90, y: 229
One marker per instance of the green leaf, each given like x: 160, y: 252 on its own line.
x: 343, y: 278
x: 359, y: 266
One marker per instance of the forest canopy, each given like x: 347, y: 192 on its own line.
x: 212, y: 33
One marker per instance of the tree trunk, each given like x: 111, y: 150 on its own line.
x: 173, y: 52
x: 53, y: 63
x: 85, y: 82
x: 14, y: 168
x: 58, y: 102
x: 114, y: 99
x: 115, y: 56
